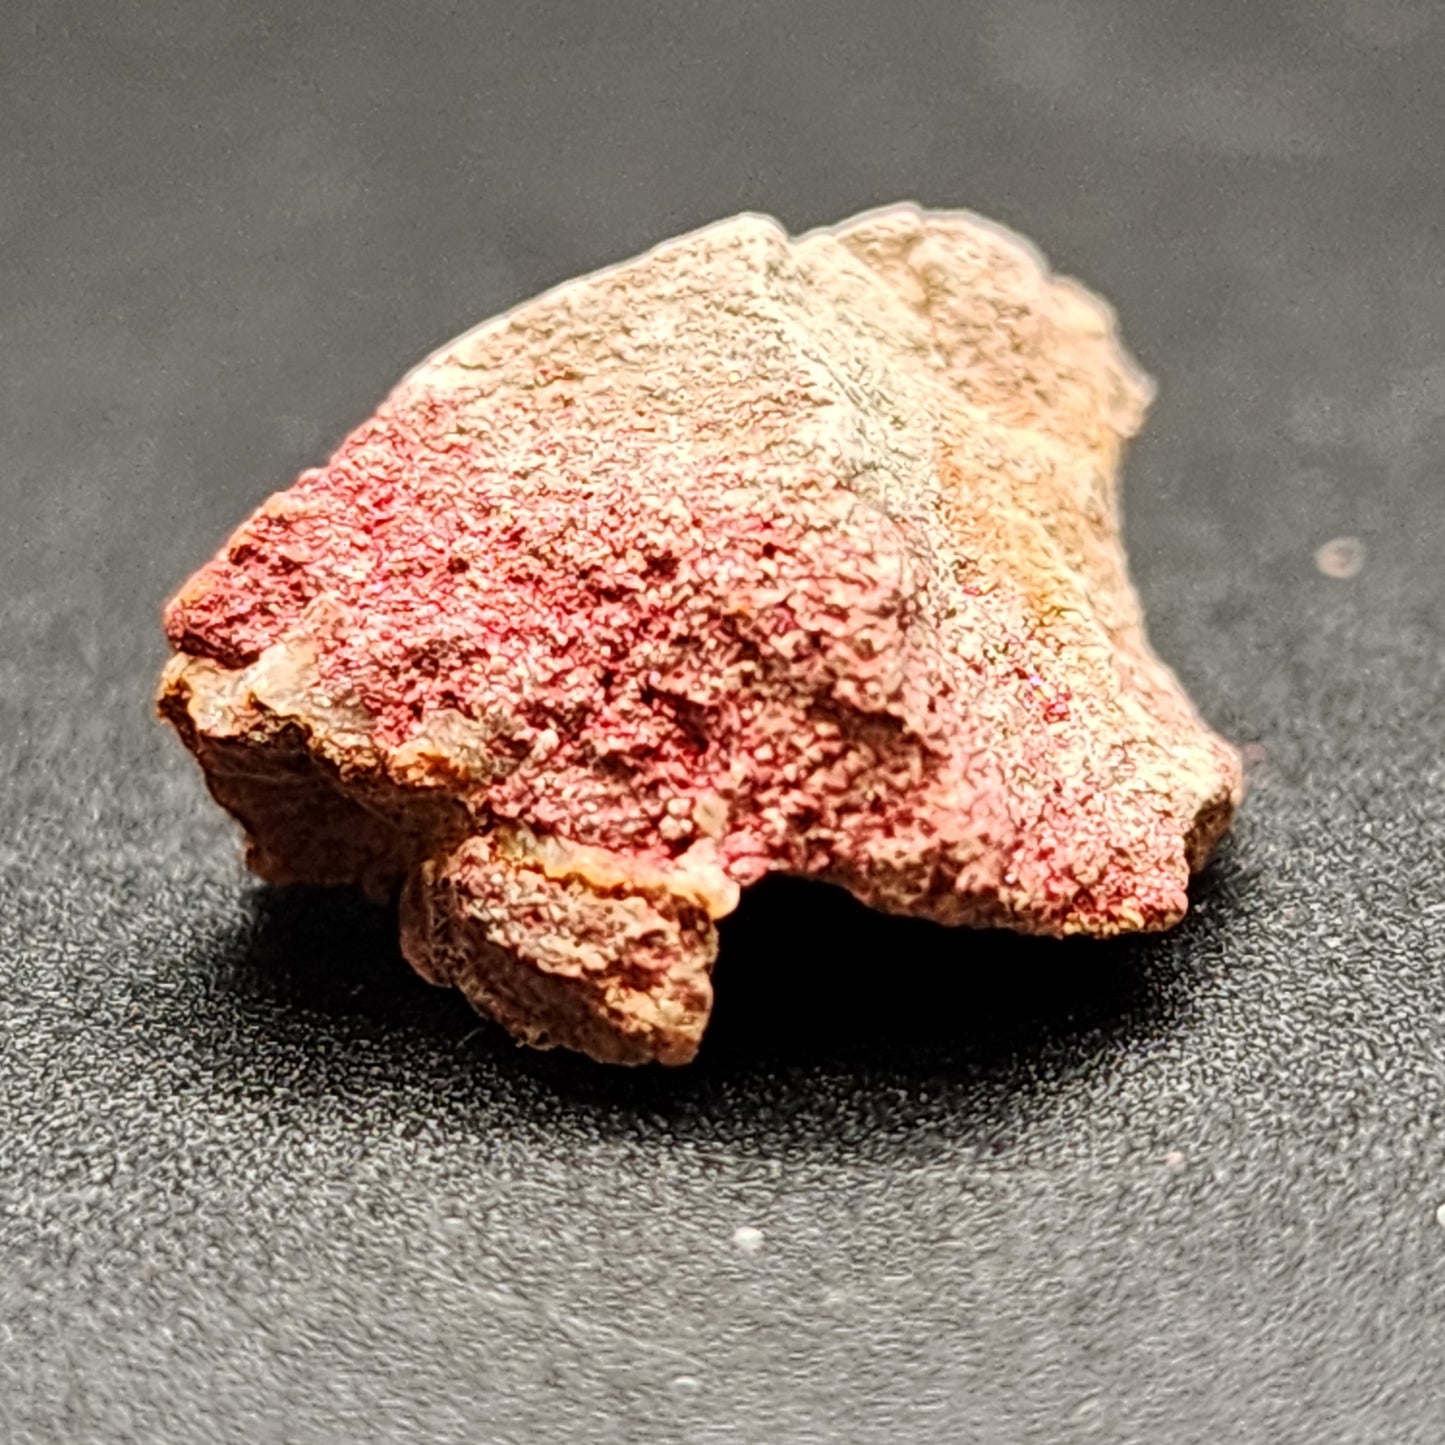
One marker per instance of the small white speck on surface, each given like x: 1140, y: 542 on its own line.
x: 1440, y: 1216
x: 686, y: 1384
x: 747, y: 1239
x: 1341, y: 558
x: 1174, y: 1161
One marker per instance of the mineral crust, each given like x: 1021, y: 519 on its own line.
x: 749, y: 555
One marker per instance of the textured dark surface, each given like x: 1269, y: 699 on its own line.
x: 257, y: 1182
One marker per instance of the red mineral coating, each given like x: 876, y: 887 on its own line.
x: 748, y: 555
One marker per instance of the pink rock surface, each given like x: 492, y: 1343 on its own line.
x: 750, y: 554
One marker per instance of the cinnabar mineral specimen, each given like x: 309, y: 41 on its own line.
x: 751, y: 554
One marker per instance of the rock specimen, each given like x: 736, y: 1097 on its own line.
x: 751, y: 554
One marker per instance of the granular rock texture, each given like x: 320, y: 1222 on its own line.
x: 751, y: 554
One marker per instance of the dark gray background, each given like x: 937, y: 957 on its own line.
x: 259, y: 1183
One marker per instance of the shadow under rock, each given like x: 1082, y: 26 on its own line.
x: 822, y: 1006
